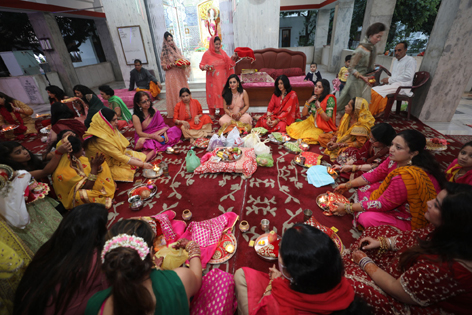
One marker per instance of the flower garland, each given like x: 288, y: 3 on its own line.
x: 124, y: 240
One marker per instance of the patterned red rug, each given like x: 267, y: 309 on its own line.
x: 279, y: 193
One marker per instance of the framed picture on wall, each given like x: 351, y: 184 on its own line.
x: 132, y: 44
x: 286, y: 37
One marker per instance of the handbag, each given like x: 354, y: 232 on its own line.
x: 192, y: 161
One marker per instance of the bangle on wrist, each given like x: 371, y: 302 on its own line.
x: 349, y: 185
x: 58, y: 153
x: 364, y: 261
x: 354, y: 167
x: 92, y: 177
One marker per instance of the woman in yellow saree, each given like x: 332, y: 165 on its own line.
x: 353, y: 131
x: 77, y: 180
x: 104, y: 137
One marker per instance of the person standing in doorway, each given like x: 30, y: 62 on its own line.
x: 177, y: 70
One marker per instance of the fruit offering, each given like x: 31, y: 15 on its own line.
x: 143, y: 192
x: 272, y: 237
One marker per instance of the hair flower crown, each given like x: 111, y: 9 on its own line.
x: 124, y: 240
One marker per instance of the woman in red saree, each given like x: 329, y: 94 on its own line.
x: 425, y: 271
x: 309, y: 279
x: 283, y: 108
x: 176, y: 76
x: 189, y: 115
x: 460, y: 170
x: 218, y: 66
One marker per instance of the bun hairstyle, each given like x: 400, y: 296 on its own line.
x: 126, y: 271
x: 167, y: 34
x: 416, y: 141
x: 384, y: 133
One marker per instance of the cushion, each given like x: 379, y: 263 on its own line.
x: 246, y: 165
x: 293, y: 72
x: 256, y: 77
x: 269, y: 71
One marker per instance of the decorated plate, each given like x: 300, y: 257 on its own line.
x: 292, y: 147
x: 201, y: 143
x: 265, y: 238
x: 273, y: 139
x: 298, y: 161
x: 9, y: 127
x: 225, y: 153
x: 322, y: 202
x: 153, y: 191
x: 221, y: 255
x: 436, y: 144
x: 150, y: 173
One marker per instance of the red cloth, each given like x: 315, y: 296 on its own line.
x: 284, y: 300
x: 245, y: 52
x: 70, y: 124
x: 285, y: 111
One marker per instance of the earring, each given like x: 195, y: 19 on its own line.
x: 409, y: 162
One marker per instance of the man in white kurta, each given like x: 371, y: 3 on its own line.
x: 403, y: 72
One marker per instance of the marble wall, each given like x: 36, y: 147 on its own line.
x: 256, y: 24
x: 340, y: 34
x: 321, y: 33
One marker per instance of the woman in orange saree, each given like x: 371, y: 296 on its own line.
x: 189, y: 115
x: 218, y: 66
x: 283, y: 108
x: 176, y: 76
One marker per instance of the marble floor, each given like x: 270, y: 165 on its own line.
x: 457, y: 126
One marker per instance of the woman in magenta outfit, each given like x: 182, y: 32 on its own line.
x: 425, y: 271
x: 460, y: 170
x: 396, y: 192
x: 152, y: 134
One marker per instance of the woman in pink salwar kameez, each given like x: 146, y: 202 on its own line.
x: 218, y: 66
x: 152, y: 134
x: 236, y: 106
x: 176, y: 76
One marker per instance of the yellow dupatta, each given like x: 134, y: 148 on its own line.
x: 357, y: 134
x: 101, y: 128
x: 419, y: 188
x: 71, y: 174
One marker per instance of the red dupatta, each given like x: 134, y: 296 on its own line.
x: 291, y: 302
x: 210, y: 57
x: 289, y: 110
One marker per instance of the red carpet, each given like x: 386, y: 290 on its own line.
x: 279, y: 193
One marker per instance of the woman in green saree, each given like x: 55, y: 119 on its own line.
x: 117, y: 104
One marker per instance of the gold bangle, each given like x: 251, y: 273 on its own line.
x: 354, y: 167
x: 320, y: 110
x: 348, y: 185
x: 91, y: 177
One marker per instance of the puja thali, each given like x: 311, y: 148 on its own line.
x: 223, y: 251
x: 229, y: 155
x: 278, y: 137
x: 9, y: 127
x: 153, y: 173
x: 265, y: 239
x: 201, y: 143
x: 436, y: 144
x: 152, y: 188
x: 292, y: 147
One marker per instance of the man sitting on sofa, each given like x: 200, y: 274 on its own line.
x: 403, y: 72
x: 144, y: 80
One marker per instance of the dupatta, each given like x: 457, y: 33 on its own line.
x: 125, y: 113
x: 183, y: 111
x: 365, y: 121
x: 289, y: 110
x: 101, y: 128
x: 210, y: 57
x: 70, y: 124
x: 419, y: 188
x: 452, y: 171
x: 170, y: 55
x: 329, y: 125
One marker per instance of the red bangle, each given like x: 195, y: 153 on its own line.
x: 58, y: 153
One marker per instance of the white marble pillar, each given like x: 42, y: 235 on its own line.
x: 157, y: 24
x: 321, y: 33
x: 256, y: 24
x: 340, y: 33
x: 122, y: 13
x: 45, y: 26
x: 448, y: 59
x: 378, y: 11
x: 226, y: 20
x: 108, y: 47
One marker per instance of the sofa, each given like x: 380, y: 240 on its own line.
x: 276, y: 62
